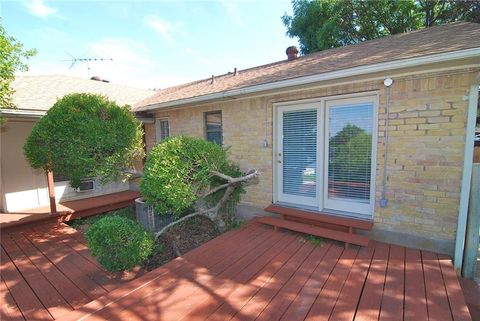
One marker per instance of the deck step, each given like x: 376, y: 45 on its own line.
x: 346, y: 237
x: 311, y: 216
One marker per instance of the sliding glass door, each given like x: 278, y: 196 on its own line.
x: 325, y: 155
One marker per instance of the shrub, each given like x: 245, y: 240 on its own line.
x: 119, y: 243
x: 178, y: 172
x: 85, y: 136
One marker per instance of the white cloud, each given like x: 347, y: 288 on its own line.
x: 38, y: 8
x: 163, y: 27
x: 132, y: 65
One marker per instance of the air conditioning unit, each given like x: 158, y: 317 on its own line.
x: 86, y: 185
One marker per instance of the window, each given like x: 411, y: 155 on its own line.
x: 60, y: 178
x: 162, y: 129
x: 213, y: 127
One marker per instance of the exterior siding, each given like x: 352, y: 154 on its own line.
x: 425, y: 149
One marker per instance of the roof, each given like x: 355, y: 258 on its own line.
x: 430, y: 41
x: 39, y: 93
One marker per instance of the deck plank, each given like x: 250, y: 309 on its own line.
x: 9, y: 310
x: 21, y: 292
x: 302, y: 303
x: 325, y: 301
x: 415, y: 300
x: 458, y: 305
x: 212, y: 285
x: 371, y: 300
x: 263, y: 297
x: 350, y: 295
x: 437, y: 301
x: 56, y: 305
x: 393, y: 293
x: 166, y: 283
x: 74, y: 296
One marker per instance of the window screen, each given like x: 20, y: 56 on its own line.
x: 213, y: 127
x: 350, y: 151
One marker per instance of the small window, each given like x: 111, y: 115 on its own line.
x: 162, y: 129
x: 213, y: 127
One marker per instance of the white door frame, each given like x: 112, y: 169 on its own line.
x: 322, y: 145
x: 278, y: 155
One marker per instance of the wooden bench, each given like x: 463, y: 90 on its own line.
x: 318, y: 224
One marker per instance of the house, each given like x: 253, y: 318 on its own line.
x: 21, y: 186
x: 381, y: 131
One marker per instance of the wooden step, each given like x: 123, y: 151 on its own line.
x: 346, y: 237
x: 319, y: 217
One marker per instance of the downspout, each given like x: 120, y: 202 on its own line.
x: 466, y: 175
x: 384, y: 201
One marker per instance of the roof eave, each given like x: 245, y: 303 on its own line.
x: 22, y: 113
x: 350, y: 72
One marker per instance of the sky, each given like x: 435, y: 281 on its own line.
x: 153, y: 44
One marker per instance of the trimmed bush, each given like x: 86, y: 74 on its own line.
x: 178, y: 170
x: 119, y: 243
x: 85, y: 136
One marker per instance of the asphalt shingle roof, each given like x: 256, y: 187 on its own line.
x: 435, y: 40
x: 39, y: 93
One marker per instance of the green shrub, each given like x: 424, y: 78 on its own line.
x: 85, y: 136
x: 119, y: 243
x: 178, y: 172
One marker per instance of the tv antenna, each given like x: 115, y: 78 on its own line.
x: 74, y: 60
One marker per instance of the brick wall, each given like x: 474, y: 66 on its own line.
x: 425, y: 151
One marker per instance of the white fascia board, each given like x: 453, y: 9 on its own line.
x: 22, y: 113
x: 350, y: 72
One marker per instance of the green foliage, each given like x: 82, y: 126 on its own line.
x: 350, y: 154
x: 85, y: 136
x: 119, y: 243
x: 315, y: 240
x: 127, y: 212
x: 325, y: 24
x: 178, y: 172
x: 11, y: 56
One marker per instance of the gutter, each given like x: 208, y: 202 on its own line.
x: 350, y: 72
x: 466, y: 175
x: 19, y: 113
x: 22, y: 113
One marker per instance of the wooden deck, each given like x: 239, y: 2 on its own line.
x: 253, y: 273
x: 70, y: 209
x: 47, y: 272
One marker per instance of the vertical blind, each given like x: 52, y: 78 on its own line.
x: 300, y: 152
x: 163, y: 129
x: 350, y: 131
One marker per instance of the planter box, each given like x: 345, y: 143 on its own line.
x: 146, y: 216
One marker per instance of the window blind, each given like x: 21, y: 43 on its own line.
x: 300, y: 152
x: 163, y: 129
x: 350, y: 131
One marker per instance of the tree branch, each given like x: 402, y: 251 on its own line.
x: 230, y: 186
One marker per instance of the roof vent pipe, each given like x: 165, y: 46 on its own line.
x: 213, y: 80
x: 235, y: 71
x: 292, y: 53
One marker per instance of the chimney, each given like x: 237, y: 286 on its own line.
x: 292, y: 53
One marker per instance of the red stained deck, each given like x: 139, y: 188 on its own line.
x: 253, y: 273
x: 70, y: 209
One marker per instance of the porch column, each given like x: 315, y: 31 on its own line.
x: 51, y: 192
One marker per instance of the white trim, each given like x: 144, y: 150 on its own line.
x: 467, y: 174
x: 158, y: 130
x: 349, y: 72
x: 22, y: 113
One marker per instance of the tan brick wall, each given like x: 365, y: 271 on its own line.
x: 425, y: 151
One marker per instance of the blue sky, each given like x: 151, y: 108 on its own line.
x: 153, y: 44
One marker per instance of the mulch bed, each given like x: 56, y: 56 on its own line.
x: 180, y: 239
